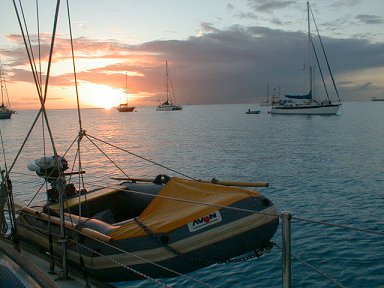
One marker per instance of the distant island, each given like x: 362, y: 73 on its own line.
x: 377, y: 99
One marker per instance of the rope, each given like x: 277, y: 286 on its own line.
x: 109, y: 158
x: 74, y: 67
x: 119, y: 250
x: 36, y: 79
x: 143, y: 158
x: 314, y: 268
x: 339, y: 225
x: 325, y: 55
x: 321, y: 71
x: 125, y: 266
x: 193, y: 201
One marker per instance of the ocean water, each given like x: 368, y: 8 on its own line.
x: 328, y: 171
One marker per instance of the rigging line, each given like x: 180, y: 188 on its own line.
x: 338, y: 225
x: 27, y: 48
x: 313, y: 268
x: 39, y: 43
x: 37, y: 87
x: 9, y: 196
x: 113, y: 162
x: 143, y: 259
x: 24, y: 142
x: 325, y: 55
x: 29, y: 43
x: 40, y: 76
x: 321, y: 72
x: 173, y: 97
x: 31, y: 61
x: 70, y: 146
x: 37, y: 192
x: 117, y: 249
x: 78, y: 139
x: 42, y: 100
x: 3, y: 150
x: 74, y: 66
x: 191, y: 201
x: 125, y: 266
x: 143, y: 158
x: 81, y: 182
x: 318, y: 271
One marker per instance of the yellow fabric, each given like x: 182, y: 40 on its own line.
x: 164, y: 215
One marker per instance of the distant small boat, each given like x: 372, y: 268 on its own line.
x: 252, y: 111
x: 5, y: 111
x: 307, y: 104
x: 377, y: 99
x: 124, y: 106
x: 170, y: 103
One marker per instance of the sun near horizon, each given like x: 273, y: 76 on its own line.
x: 23, y: 96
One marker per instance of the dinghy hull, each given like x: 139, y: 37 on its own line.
x: 143, y: 242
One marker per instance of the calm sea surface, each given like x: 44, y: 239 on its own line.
x: 320, y: 168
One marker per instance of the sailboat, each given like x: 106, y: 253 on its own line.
x: 123, y: 107
x: 170, y: 103
x: 5, y: 111
x: 266, y: 102
x: 138, y: 228
x: 309, y: 103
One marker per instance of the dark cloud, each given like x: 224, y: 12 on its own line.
x: 234, y: 66
x: 268, y: 6
x: 222, y: 66
x: 230, y: 6
x: 208, y: 27
x: 370, y: 19
x: 248, y: 15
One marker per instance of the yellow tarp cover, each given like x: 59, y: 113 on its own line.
x: 164, y: 215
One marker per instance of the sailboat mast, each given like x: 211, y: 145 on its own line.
x: 167, y: 78
x: 309, y: 51
x: 2, y: 86
x: 126, y: 89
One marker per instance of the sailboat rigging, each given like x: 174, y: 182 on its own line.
x: 138, y: 228
x: 308, y: 104
x: 170, y: 103
x: 267, y: 102
x: 124, y: 107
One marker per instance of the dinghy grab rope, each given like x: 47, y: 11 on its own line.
x: 206, y: 260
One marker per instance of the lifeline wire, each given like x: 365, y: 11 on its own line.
x: 141, y: 157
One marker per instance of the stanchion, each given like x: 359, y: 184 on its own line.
x: 286, y: 248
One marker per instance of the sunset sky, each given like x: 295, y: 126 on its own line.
x: 218, y: 51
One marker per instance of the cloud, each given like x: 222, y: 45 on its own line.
x: 268, y: 6
x: 230, y: 6
x: 221, y: 66
x: 370, y: 19
x: 248, y: 15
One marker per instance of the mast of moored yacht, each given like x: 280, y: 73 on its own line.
x: 126, y: 89
x: 309, y: 51
x: 1, y: 83
x: 167, y: 79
